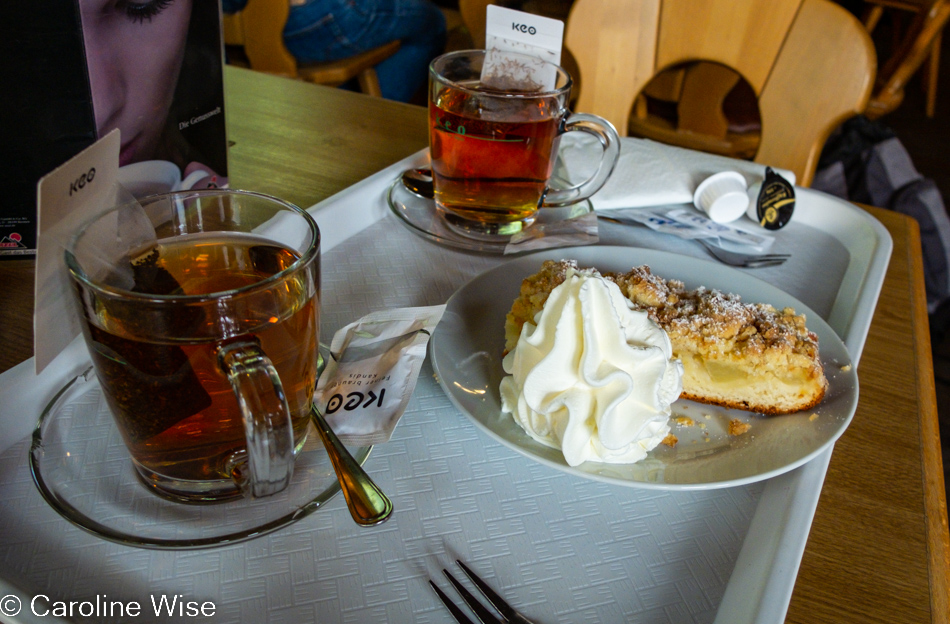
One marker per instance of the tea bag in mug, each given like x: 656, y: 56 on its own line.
x: 372, y: 371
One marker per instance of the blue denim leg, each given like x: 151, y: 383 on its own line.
x: 326, y: 30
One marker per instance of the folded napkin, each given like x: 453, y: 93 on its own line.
x: 650, y: 173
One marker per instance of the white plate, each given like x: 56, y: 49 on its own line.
x: 467, y: 352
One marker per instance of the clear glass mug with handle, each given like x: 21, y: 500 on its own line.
x: 494, y: 138
x: 201, y: 313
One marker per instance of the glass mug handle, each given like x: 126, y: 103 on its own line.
x: 267, y: 424
x: 609, y: 139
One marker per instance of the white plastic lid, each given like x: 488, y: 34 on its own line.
x: 723, y: 196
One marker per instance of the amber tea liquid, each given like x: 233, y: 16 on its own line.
x: 158, y: 365
x: 491, y: 166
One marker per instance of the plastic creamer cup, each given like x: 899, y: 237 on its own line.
x: 722, y: 196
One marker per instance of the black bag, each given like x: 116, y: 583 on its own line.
x: 864, y: 162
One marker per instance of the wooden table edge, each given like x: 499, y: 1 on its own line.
x: 935, y: 498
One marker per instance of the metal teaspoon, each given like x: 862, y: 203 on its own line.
x: 419, y: 181
x: 368, y: 504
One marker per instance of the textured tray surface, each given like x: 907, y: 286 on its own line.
x: 562, y: 548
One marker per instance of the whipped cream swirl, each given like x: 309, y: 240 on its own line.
x: 592, y: 376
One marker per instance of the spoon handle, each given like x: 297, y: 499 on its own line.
x: 367, y: 503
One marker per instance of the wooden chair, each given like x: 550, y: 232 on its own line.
x: 919, y: 44
x: 259, y: 30
x: 810, y: 63
x: 675, y: 106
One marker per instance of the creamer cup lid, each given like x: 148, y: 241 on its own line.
x: 723, y: 196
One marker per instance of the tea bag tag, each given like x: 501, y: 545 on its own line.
x: 507, y: 30
x: 66, y: 197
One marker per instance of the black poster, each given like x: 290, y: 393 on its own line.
x: 74, y: 70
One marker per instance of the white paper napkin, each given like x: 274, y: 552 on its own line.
x: 650, y: 173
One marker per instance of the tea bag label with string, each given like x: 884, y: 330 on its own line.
x: 372, y: 371
x: 507, y: 30
x: 66, y: 197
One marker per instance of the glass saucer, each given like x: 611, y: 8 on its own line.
x: 421, y: 216
x: 83, y: 470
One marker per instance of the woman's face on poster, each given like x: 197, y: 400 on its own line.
x: 134, y: 51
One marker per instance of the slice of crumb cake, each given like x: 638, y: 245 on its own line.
x: 744, y: 355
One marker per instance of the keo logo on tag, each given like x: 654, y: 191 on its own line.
x: 515, y: 31
x: 355, y: 400
x: 77, y: 184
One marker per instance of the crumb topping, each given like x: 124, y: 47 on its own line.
x: 737, y: 427
x: 722, y: 322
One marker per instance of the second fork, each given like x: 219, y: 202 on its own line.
x: 508, y: 613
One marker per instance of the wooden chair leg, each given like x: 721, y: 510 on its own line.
x: 640, y: 107
x: 872, y: 16
x: 933, y: 70
x: 369, y: 82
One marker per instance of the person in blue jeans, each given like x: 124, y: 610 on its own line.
x: 329, y: 30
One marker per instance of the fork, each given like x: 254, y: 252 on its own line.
x: 508, y: 614
x: 743, y: 260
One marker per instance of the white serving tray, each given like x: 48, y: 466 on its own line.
x: 564, y: 549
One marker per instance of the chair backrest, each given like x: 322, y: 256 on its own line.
x: 916, y: 46
x: 474, y: 18
x: 810, y: 63
x: 260, y: 29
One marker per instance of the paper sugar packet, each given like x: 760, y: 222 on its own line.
x: 688, y: 223
x: 371, y: 372
x: 573, y: 231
